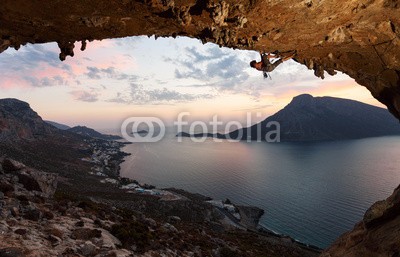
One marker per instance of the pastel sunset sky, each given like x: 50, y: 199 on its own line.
x: 115, y: 79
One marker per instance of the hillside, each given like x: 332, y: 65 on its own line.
x: 85, y: 131
x: 92, y: 211
x: 58, y: 125
x: 18, y: 121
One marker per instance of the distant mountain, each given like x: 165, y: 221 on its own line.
x: 58, y: 125
x: 308, y: 118
x: 18, y: 121
x: 85, y: 131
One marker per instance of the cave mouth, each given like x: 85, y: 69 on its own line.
x: 360, y: 39
x: 116, y: 78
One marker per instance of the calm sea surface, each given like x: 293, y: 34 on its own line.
x: 313, y: 192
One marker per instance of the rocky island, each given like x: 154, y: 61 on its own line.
x: 308, y: 118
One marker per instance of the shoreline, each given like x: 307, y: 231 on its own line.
x: 264, y: 230
x: 134, y: 186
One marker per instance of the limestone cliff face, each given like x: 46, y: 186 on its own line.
x: 18, y: 121
x: 360, y: 38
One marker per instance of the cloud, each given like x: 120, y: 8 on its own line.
x: 219, y: 68
x: 137, y: 94
x: 45, y: 81
x: 34, y: 66
x: 211, y: 54
x: 110, y: 72
x: 30, y: 56
x: 228, y: 71
x: 85, y: 96
x: 39, y: 66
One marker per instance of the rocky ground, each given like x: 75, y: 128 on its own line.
x: 67, y: 199
x: 40, y: 219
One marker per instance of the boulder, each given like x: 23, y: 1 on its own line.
x: 31, y: 179
x: 10, y: 165
x: 34, y: 180
x: 87, y: 249
x: 109, y: 241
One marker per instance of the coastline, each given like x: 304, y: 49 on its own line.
x: 132, y: 186
x: 182, y: 224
